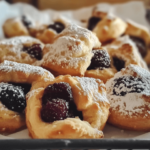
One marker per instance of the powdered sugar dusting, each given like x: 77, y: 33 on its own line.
x: 17, y: 40
x: 119, y: 42
x: 32, y: 93
x: 78, y: 32
x: 91, y: 87
x: 12, y: 49
x: 3, y: 108
x: 63, y: 50
x: 127, y: 97
x: 8, y: 66
x: 73, y: 45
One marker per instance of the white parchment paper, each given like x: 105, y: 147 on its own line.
x: 131, y: 10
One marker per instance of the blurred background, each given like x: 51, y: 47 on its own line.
x: 71, y: 4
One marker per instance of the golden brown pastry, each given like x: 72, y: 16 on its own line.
x: 147, y: 58
x: 71, y: 51
x: 99, y: 13
x: 47, y: 33
x: 15, y: 82
x: 67, y: 107
x: 18, y: 26
x: 140, y: 35
x: 129, y: 96
x: 107, y: 28
x: 22, y: 49
x: 123, y: 52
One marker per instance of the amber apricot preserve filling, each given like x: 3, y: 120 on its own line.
x: 58, y: 103
x: 13, y: 95
x: 100, y: 60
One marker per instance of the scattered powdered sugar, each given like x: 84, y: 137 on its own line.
x: 3, y: 108
x: 111, y: 16
x: 32, y: 93
x: 73, y: 45
x: 121, y: 41
x: 17, y: 40
x: 16, y: 44
x: 91, y: 87
x: 125, y: 91
x: 78, y: 32
x: 66, y: 50
x: 9, y: 87
x: 8, y: 66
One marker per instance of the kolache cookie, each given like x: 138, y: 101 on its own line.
x: 120, y: 53
x: 123, y: 52
x: 47, y: 33
x: 101, y: 66
x: 139, y: 35
x: 129, y: 94
x: 108, y: 28
x: 26, y: 26
x: 15, y: 82
x: 22, y: 49
x: 71, y: 52
x: 18, y: 26
x: 67, y: 107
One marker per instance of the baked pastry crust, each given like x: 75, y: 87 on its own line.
x: 130, y: 111
x: 126, y: 50
x: 11, y: 121
x: 103, y: 75
x: 71, y: 51
x: 134, y: 29
x: 147, y: 58
x: 98, y: 12
x: 12, y: 49
x: 89, y: 97
x: 109, y: 28
x: 45, y: 34
x: 14, y: 27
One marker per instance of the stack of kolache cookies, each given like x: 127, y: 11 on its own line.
x: 61, y: 80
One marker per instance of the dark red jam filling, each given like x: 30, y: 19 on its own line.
x: 118, y: 63
x: 128, y: 84
x: 57, y: 26
x: 26, y: 21
x: 140, y: 45
x: 13, y: 96
x: 58, y: 103
x: 35, y: 51
x: 93, y: 22
x: 100, y: 60
x: 25, y: 86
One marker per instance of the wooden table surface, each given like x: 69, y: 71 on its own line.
x: 72, y: 4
